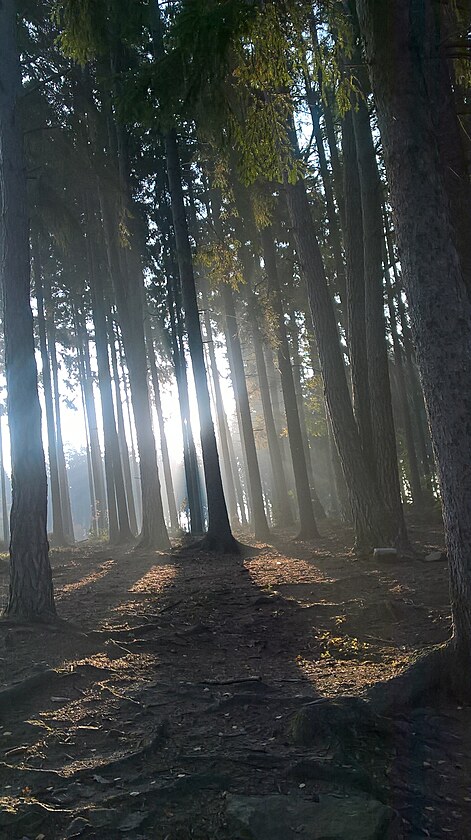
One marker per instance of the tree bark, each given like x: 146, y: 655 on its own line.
x: 308, y: 526
x: 190, y: 459
x: 370, y: 519
x: 259, y: 523
x: 61, y: 465
x: 31, y: 592
x: 129, y: 292
x: 58, y: 535
x: 219, y: 535
x: 281, y: 504
x: 230, y: 489
x: 356, y: 315
x: 121, y: 428
x: 382, y: 421
x: 86, y: 380
x: 3, y: 485
x: 172, y: 508
x: 398, y: 39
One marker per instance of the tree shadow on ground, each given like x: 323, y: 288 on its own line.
x: 188, y: 690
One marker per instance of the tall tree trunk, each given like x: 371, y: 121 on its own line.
x: 356, y: 315
x: 61, y: 465
x: 335, y: 231
x: 260, y: 524
x: 219, y: 535
x: 308, y: 526
x: 190, y: 459
x: 135, y: 474
x: 296, y: 368
x: 3, y: 487
x: 422, y: 434
x: 115, y: 490
x: 86, y: 381
x: 129, y: 292
x: 382, y: 421
x: 172, y: 508
x: 220, y: 413
x: 398, y: 40
x: 121, y: 428
x: 371, y: 521
x: 58, y: 535
x: 413, y: 466
x: 281, y: 506
x: 31, y: 593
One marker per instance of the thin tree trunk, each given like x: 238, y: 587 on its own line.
x: 281, y: 504
x: 31, y: 592
x: 356, y: 315
x: 415, y: 388
x: 242, y: 400
x: 296, y: 368
x: 189, y: 450
x: 219, y: 534
x: 220, y: 413
x: 129, y: 301
x: 413, y: 471
x: 121, y: 428
x: 382, y: 421
x: 58, y: 535
x: 115, y: 490
x: 308, y: 529
x: 172, y: 508
x: 3, y: 487
x: 372, y: 524
x: 86, y: 382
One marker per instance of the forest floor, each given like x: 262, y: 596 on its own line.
x: 169, y: 715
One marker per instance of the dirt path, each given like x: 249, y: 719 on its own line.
x: 181, y: 690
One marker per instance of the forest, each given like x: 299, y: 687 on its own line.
x: 235, y: 419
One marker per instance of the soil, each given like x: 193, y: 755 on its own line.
x: 177, y: 676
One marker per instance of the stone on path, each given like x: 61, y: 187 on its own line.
x: 278, y: 817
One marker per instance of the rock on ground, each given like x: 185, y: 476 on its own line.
x: 331, y: 818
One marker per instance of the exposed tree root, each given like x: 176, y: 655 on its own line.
x: 51, y: 623
x: 49, y: 679
x: 431, y: 673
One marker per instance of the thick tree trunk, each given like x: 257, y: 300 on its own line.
x: 308, y: 526
x: 219, y: 534
x: 259, y: 522
x: 31, y: 592
x: 398, y: 40
x: 371, y: 521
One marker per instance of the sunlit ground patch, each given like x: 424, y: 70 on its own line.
x: 277, y: 570
x: 93, y: 577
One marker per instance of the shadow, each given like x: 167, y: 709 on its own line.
x: 194, y: 688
